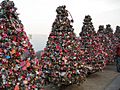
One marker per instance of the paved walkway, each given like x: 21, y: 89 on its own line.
x: 99, y: 80
x: 115, y: 84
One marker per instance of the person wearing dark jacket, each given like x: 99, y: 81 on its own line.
x: 117, y: 59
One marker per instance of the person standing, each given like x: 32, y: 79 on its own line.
x: 117, y: 58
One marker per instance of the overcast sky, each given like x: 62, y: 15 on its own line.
x: 38, y: 15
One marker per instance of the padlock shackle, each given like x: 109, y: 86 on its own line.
x: 70, y: 16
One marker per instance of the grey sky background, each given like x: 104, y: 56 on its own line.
x: 38, y: 15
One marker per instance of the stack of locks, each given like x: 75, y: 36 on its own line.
x: 18, y: 63
x: 91, y: 46
x: 61, y: 58
x: 110, y: 42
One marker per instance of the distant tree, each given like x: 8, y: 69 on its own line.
x: 30, y: 36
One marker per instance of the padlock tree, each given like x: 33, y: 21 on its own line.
x: 102, y: 40
x: 61, y: 58
x: 90, y: 45
x: 18, y: 63
x: 109, y: 43
x: 117, y: 34
x: 116, y: 38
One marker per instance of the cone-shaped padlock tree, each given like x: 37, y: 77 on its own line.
x: 17, y: 57
x: 102, y: 40
x: 117, y: 34
x: 108, y: 30
x: 91, y: 45
x: 101, y: 30
x: 109, y: 43
x: 61, y: 58
x: 116, y: 37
